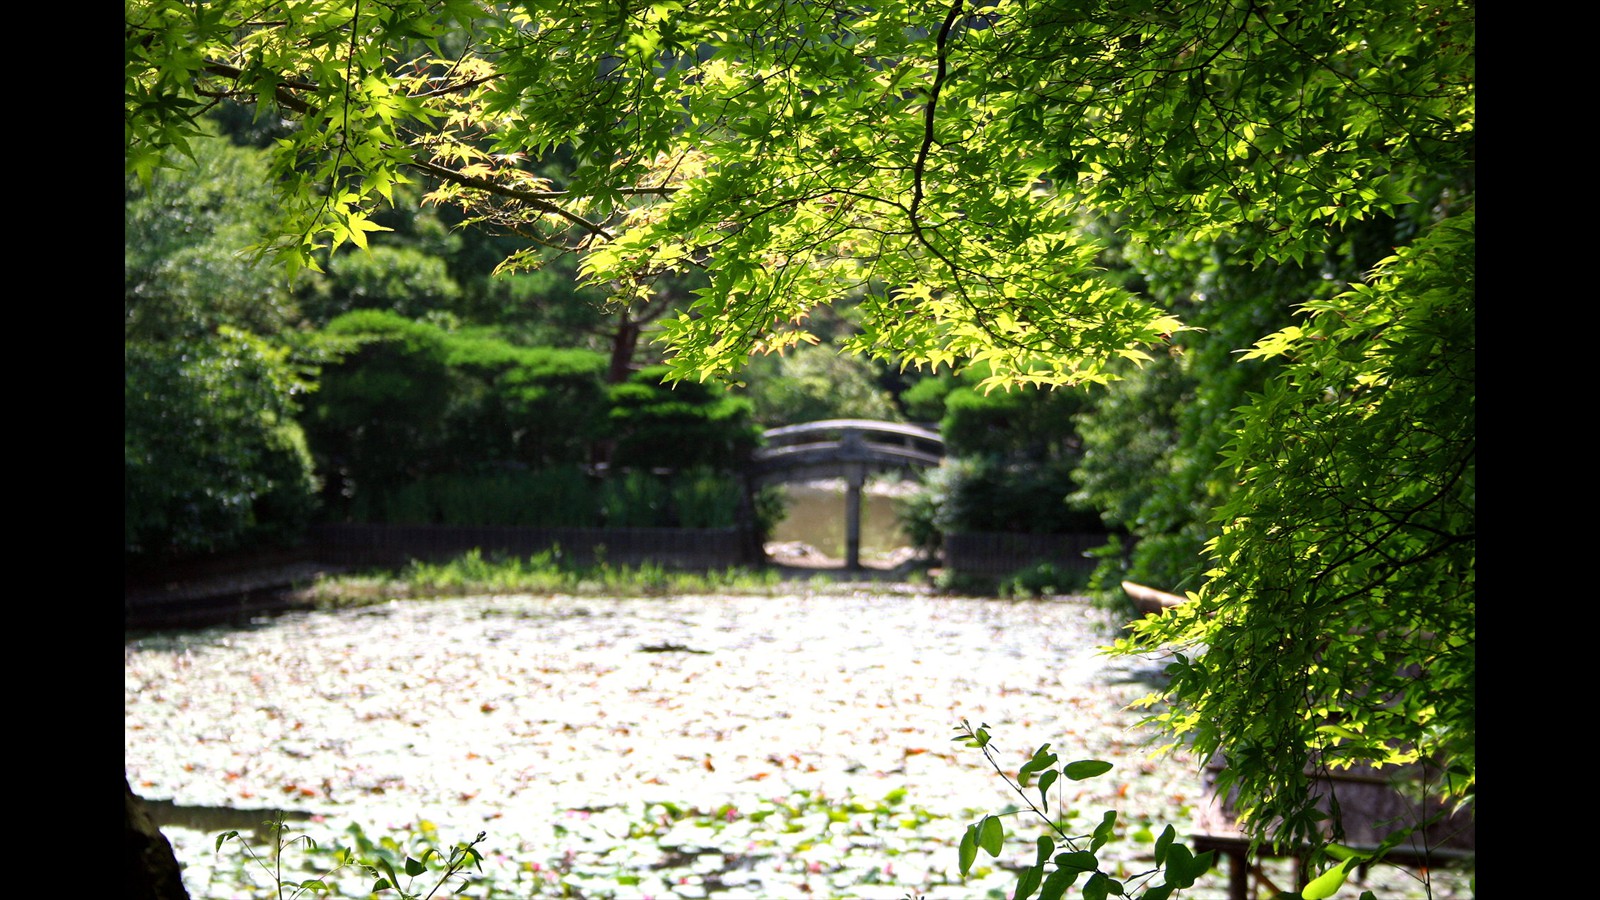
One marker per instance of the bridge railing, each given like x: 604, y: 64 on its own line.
x: 848, y: 441
x: 914, y: 437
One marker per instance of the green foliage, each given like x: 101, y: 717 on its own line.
x: 381, y: 862
x: 951, y: 175
x: 1348, y: 549
x: 701, y: 497
x: 522, y: 406
x: 546, y: 306
x: 551, y: 571
x: 1152, y: 441
x: 213, y: 459
x: 780, y: 166
x: 1052, y: 874
x: 634, y: 499
x: 407, y: 403
x: 404, y: 280
x: 561, y: 497
x: 812, y: 383
x: 923, y: 399
x: 801, y: 830
x: 379, y: 420
x: 420, y: 424
x: 1042, y: 580
x: 1033, y: 425
x: 919, y: 516
x: 554, y: 497
x: 1010, y: 460
x: 186, y: 271
x: 679, y: 426
x: 987, y: 493
x: 705, y: 498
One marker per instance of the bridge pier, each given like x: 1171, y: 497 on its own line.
x: 855, y: 479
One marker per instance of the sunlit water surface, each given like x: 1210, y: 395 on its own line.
x: 808, y: 737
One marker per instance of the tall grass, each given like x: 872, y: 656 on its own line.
x: 635, y: 499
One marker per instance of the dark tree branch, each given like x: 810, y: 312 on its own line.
x: 918, y: 167
x: 283, y: 95
x: 537, y: 199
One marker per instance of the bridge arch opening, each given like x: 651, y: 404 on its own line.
x: 851, y: 450
x: 812, y: 532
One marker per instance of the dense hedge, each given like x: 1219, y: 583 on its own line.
x: 1010, y: 457
x: 416, y: 423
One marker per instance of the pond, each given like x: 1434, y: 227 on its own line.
x: 766, y: 747
x: 814, y: 517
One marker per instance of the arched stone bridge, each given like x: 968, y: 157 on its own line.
x: 844, y: 448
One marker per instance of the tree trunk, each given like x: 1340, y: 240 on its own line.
x: 153, y: 871
x: 624, y: 343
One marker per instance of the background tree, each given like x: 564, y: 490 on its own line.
x: 1152, y: 440
x: 1010, y: 461
x: 415, y: 423
x: 810, y: 383
x: 682, y: 426
x: 189, y: 271
x: 1342, y: 598
x: 405, y: 402
x: 214, y: 457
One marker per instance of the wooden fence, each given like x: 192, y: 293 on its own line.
x: 997, y: 554
x: 986, y: 554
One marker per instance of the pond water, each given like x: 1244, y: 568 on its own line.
x: 763, y: 747
x: 815, y: 517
